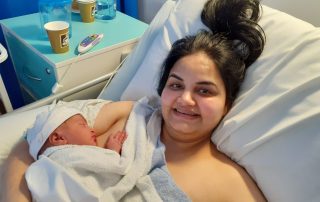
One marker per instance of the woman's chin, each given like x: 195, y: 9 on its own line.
x: 183, y: 128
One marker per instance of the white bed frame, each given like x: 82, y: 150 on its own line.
x: 67, y: 95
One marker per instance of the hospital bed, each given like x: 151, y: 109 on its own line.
x: 4, y: 98
x: 273, y: 127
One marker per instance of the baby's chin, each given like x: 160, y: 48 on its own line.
x: 91, y: 143
x: 94, y: 143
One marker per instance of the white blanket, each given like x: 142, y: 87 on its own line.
x: 87, y: 173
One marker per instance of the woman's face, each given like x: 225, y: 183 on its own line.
x: 193, y: 99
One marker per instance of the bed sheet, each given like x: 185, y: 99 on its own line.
x: 13, y: 125
x: 273, y: 128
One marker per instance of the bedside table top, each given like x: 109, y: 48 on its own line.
x: 121, y: 29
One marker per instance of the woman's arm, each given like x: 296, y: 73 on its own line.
x: 111, y: 114
x: 14, y: 186
x: 111, y: 119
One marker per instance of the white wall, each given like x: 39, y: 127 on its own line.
x: 148, y: 9
x: 308, y: 10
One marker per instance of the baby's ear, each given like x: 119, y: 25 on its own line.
x: 56, y: 139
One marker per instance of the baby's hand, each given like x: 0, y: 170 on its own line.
x: 116, y: 140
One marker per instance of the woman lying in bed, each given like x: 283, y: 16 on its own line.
x: 200, y: 79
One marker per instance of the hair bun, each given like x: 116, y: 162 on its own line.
x: 237, y: 20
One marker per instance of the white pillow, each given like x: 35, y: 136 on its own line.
x: 184, y: 19
x: 134, y: 60
x: 273, y: 129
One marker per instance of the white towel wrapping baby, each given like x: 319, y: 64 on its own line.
x: 88, y: 173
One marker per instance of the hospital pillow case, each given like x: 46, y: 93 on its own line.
x: 183, y: 20
x: 273, y: 129
x: 135, y: 58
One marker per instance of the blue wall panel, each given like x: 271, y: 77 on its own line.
x: 11, y: 9
x: 129, y: 7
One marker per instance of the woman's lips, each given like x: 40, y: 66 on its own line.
x: 185, y: 113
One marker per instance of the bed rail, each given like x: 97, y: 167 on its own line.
x: 60, y: 96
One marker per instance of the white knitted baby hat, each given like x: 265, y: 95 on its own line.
x: 46, y: 122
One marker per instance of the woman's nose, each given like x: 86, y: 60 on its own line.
x: 186, y: 98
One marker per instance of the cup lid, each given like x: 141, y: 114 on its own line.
x: 56, y: 25
x: 86, y: 1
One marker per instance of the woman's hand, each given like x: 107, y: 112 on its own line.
x: 116, y: 140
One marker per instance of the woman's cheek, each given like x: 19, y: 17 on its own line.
x: 166, y: 97
x: 166, y: 102
x: 213, y: 109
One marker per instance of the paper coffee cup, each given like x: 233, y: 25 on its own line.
x: 75, y: 5
x: 58, y: 34
x: 87, y: 10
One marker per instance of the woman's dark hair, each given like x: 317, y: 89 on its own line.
x: 234, y: 42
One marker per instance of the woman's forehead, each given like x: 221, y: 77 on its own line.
x: 196, y: 65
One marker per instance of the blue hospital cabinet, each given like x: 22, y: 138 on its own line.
x: 38, y: 68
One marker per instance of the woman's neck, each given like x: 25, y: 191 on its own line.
x: 180, y: 150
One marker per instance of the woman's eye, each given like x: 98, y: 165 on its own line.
x: 205, y: 92
x: 175, y: 86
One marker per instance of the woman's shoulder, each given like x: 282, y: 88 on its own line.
x: 152, y: 102
x: 116, y: 110
x: 119, y: 104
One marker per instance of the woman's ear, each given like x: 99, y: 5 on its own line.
x: 57, y: 139
x: 226, y: 109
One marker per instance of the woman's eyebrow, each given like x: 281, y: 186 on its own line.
x: 175, y: 76
x: 206, y: 83
x: 209, y: 83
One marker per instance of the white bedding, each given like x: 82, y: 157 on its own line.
x: 273, y: 128
x: 70, y: 173
x: 88, y: 173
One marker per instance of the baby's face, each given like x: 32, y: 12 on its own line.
x: 76, y: 131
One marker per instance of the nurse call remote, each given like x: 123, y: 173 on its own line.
x: 89, y: 42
